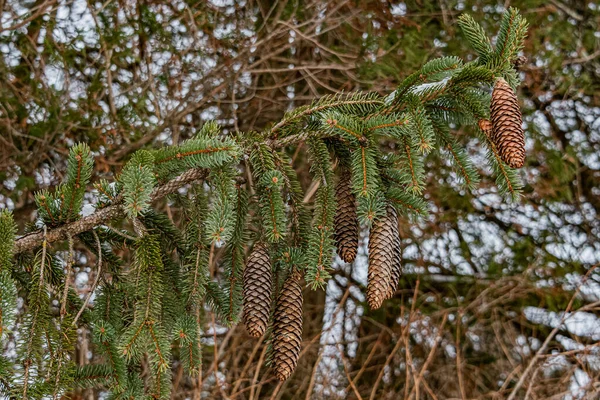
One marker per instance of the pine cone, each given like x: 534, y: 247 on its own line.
x: 346, y: 222
x: 519, y: 62
x: 382, y: 256
x: 397, y: 266
x: 507, y: 132
x: 486, y: 126
x: 287, y: 327
x: 257, y: 290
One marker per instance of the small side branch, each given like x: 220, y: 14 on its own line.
x: 35, y: 239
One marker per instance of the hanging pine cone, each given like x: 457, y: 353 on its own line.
x: 287, y: 327
x: 382, y: 256
x: 507, y: 132
x: 486, y: 126
x: 346, y: 222
x: 257, y: 290
x: 519, y: 62
x: 397, y: 266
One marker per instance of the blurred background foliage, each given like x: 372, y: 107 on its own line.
x: 497, y: 299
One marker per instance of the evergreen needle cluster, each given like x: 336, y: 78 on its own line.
x: 148, y: 306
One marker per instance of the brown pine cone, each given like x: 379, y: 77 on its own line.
x: 345, y: 220
x: 257, y: 290
x: 519, y: 62
x: 382, y: 256
x: 397, y: 266
x: 507, y: 131
x: 287, y: 327
x: 486, y: 126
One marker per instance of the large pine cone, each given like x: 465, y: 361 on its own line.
x: 382, y: 257
x: 287, y: 327
x: 257, y: 290
x: 345, y: 221
x: 397, y: 266
x: 507, y: 131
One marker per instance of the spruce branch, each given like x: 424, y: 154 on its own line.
x: 510, y: 39
x: 34, y: 239
x: 196, y: 256
x: 414, y: 166
x: 185, y: 332
x: 476, y: 36
x: 235, y: 259
x: 463, y: 166
x: 299, y: 215
x: 391, y: 122
x: 219, y: 223
x: 69, y: 269
x: 96, y: 280
x: 320, y: 243
x: 79, y: 172
x: 39, y: 300
x: 138, y: 181
x: 422, y: 126
x: 380, y: 146
x: 297, y: 138
x: 272, y: 207
x: 407, y: 203
x: 348, y: 101
x: 431, y: 70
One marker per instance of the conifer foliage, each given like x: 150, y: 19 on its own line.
x: 154, y: 279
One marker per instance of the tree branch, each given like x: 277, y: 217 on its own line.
x: 114, y: 211
x: 34, y: 239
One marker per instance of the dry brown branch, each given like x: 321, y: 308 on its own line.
x: 566, y: 315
